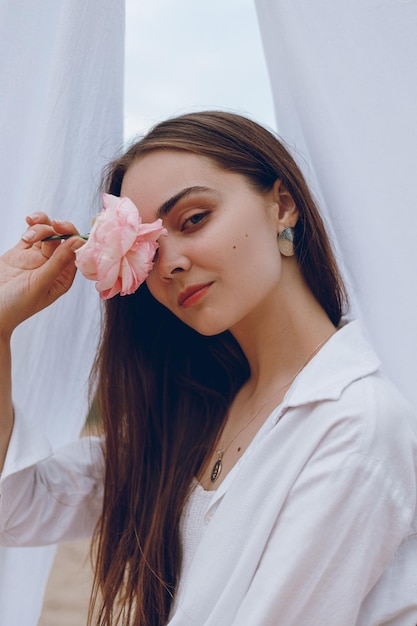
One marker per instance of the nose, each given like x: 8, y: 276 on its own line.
x: 171, y: 258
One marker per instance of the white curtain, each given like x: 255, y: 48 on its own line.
x: 61, y: 118
x: 344, y: 81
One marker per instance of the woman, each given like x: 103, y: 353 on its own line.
x: 257, y: 468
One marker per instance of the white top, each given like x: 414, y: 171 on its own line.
x: 192, y: 527
x: 316, y: 525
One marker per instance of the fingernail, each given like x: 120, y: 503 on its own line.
x: 35, y: 216
x: 29, y: 235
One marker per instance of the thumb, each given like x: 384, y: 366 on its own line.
x: 59, y: 270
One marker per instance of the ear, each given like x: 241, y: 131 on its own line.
x: 286, y: 211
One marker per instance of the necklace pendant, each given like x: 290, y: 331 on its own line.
x: 217, y: 467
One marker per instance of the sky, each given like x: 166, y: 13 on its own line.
x: 191, y: 55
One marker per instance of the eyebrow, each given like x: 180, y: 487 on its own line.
x: 167, y: 206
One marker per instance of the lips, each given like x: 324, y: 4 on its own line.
x: 192, y: 294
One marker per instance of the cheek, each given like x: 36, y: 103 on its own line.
x: 257, y: 258
x: 153, y: 283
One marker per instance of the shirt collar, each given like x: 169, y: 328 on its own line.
x: 346, y: 357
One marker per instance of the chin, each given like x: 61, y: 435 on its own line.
x: 207, y: 330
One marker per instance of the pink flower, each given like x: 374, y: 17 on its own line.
x: 120, y: 249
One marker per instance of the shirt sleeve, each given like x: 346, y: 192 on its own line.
x: 48, y: 496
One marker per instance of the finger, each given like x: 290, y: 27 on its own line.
x: 38, y: 217
x: 62, y: 259
x: 48, y: 247
x: 64, y: 228
x: 37, y: 232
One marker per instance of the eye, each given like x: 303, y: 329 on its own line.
x: 197, y: 219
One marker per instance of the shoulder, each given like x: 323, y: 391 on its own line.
x: 360, y: 426
x: 368, y: 436
x: 343, y: 393
x: 384, y: 422
x: 369, y: 417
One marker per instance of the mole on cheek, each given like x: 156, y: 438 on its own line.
x: 234, y: 247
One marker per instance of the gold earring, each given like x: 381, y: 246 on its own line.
x: 286, y: 241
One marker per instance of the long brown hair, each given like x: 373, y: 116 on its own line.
x: 163, y: 390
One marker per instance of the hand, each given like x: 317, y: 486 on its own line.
x: 33, y: 274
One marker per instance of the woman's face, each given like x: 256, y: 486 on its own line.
x: 219, y: 265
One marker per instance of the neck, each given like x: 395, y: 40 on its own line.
x: 280, y: 337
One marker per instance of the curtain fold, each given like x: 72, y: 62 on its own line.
x: 344, y: 82
x: 61, y: 120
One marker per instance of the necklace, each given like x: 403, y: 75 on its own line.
x: 217, y: 466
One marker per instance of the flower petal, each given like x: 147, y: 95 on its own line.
x: 120, y: 249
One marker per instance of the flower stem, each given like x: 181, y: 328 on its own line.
x: 57, y: 237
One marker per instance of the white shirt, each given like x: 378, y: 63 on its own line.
x: 315, y: 526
